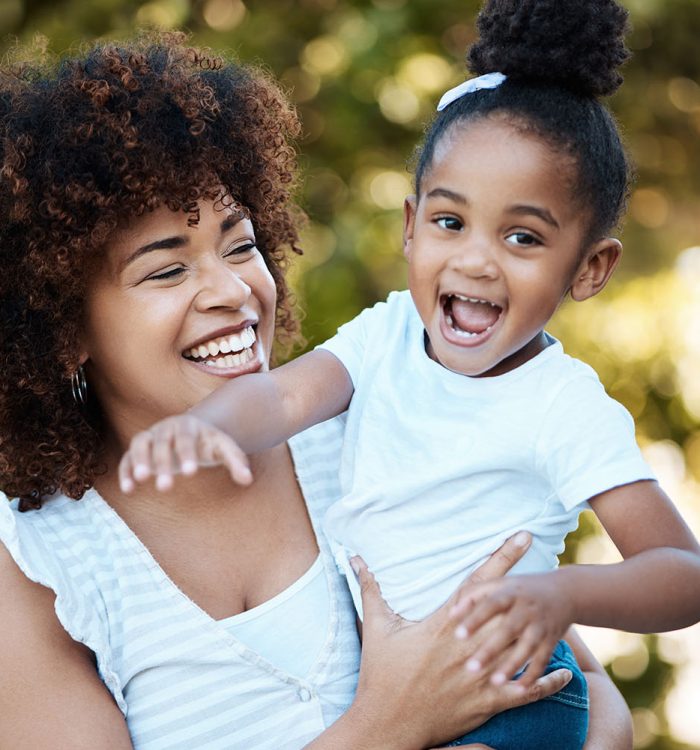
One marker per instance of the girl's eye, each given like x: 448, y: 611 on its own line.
x: 522, y: 239
x: 239, y: 253
x: 449, y: 223
x: 170, y: 274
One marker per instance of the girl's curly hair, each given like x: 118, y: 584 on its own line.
x: 86, y: 143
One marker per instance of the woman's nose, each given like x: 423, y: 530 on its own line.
x: 221, y: 286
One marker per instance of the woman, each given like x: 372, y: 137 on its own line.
x: 146, y: 227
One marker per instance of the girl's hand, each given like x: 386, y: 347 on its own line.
x: 414, y: 690
x: 180, y: 445
x: 533, y: 614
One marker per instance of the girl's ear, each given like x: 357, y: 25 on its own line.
x: 409, y: 220
x: 595, y: 270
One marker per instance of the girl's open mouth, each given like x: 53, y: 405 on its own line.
x: 468, y: 320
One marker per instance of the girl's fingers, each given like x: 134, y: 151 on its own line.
x: 126, y: 474
x: 511, y: 662
x: 538, y: 663
x: 227, y: 452
x: 481, y: 611
x: 492, y: 649
x: 163, y: 463
x: 185, y: 447
x: 141, y: 459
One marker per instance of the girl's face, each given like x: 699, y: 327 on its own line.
x: 174, y: 311
x: 494, y: 244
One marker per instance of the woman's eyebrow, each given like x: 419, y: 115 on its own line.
x: 172, y: 243
x: 167, y: 243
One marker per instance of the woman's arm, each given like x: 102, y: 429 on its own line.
x: 414, y: 691
x: 610, y: 722
x: 50, y: 693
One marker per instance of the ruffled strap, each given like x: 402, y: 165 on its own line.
x: 35, y: 543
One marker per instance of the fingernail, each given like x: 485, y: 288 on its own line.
x: 141, y: 471
x: 498, y: 678
x: 521, y: 539
x: 568, y: 674
x: 189, y: 467
x: 355, y: 565
x: 127, y: 485
x: 461, y: 632
x: 473, y: 665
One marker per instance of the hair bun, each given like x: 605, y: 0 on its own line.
x: 578, y: 44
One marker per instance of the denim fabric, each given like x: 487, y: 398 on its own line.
x: 559, y: 722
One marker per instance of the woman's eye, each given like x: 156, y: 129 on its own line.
x: 449, y: 223
x: 170, y: 274
x: 523, y: 239
x: 240, y: 252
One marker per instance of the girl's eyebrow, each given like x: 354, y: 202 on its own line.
x: 542, y: 213
x: 449, y: 194
x: 172, y: 243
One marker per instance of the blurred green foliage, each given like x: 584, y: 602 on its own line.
x: 365, y: 75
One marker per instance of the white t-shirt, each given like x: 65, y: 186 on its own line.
x: 439, y: 468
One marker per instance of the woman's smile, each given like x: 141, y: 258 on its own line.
x: 227, y: 354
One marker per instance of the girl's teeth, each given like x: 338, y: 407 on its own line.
x: 224, y: 346
x: 213, y: 348
x: 203, y: 351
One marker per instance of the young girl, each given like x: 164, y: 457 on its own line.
x: 466, y: 419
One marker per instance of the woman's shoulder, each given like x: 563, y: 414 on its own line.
x: 316, y: 454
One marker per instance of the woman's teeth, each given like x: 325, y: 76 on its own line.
x: 230, y: 360
x: 226, y: 351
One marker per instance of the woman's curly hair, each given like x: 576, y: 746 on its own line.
x: 86, y: 143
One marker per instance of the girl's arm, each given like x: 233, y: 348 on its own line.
x: 656, y: 587
x: 264, y: 409
x: 50, y: 693
x: 245, y: 415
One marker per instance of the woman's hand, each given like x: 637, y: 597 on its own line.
x: 414, y: 690
x: 180, y: 445
x: 534, y: 614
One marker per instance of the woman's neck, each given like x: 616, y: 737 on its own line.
x: 209, y: 489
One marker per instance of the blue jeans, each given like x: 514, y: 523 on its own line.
x: 559, y: 722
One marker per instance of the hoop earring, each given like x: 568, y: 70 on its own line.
x: 78, y: 386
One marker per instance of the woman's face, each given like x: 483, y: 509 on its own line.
x: 174, y: 311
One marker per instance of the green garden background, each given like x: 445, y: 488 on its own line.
x: 365, y: 75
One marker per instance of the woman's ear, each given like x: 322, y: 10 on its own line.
x: 409, y: 220
x: 595, y: 270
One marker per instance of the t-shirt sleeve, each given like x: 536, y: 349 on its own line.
x: 587, y: 444
x: 350, y: 343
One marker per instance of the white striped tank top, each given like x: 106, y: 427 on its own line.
x: 180, y: 678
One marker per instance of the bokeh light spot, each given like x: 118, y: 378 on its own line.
x: 649, y: 207
x: 397, y: 102
x: 325, y: 56
x: 224, y: 15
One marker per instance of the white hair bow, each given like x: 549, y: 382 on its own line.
x: 488, y: 81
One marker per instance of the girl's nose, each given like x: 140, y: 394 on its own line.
x: 475, y: 258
